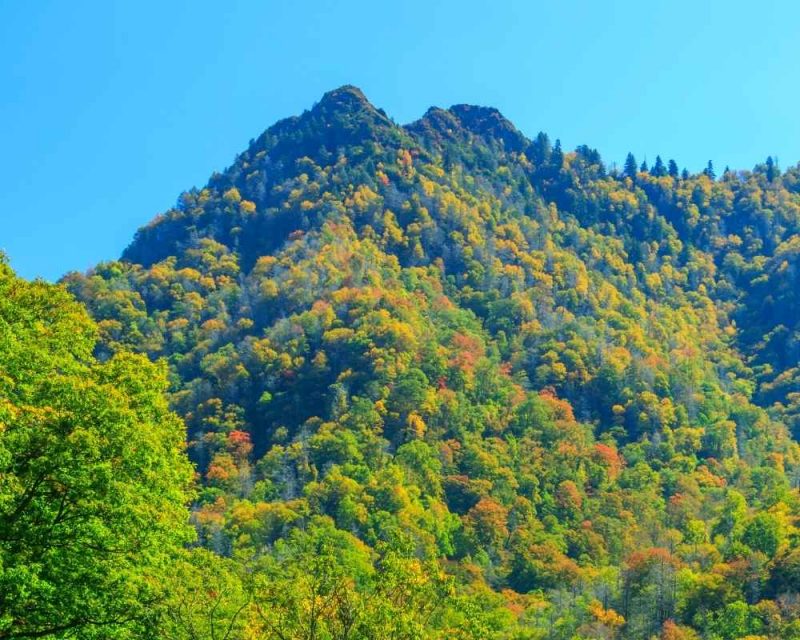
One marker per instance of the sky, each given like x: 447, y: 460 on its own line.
x: 109, y: 110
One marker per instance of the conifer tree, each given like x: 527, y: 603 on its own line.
x: 541, y: 149
x: 557, y: 158
x: 673, y: 169
x: 630, y: 166
x: 772, y: 169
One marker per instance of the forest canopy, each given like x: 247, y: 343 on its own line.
x: 438, y: 380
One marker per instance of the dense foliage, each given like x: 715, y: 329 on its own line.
x: 93, y: 475
x: 442, y: 381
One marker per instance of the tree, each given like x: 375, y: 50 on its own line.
x: 322, y: 583
x: 763, y: 533
x: 630, y: 166
x: 541, y: 149
x: 736, y: 620
x: 649, y: 589
x: 93, y: 477
x: 709, y: 171
x: 208, y: 598
x: 557, y: 157
x: 643, y: 168
x: 672, y: 631
x: 673, y: 169
x: 772, y: 170
x: 659, y: 170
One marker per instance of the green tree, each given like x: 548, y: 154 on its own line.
x: 673, y: 169
x: 763, y: 533
x: 659, y: 170
x: 736, y: 620
x: 557, y: 157
x: 207, y: 599
x: 93, y: 477
x: 772, y: 169
x: 630, y: 166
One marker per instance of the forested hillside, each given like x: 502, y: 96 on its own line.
x: 444, y: 381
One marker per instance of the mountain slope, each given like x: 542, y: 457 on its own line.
x: 460, y: 345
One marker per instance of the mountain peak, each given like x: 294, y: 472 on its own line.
x: 465, y: 120
x: 346, y: 99
x: 341, y: 118
x: 347, y: 93
x: 481, y: 118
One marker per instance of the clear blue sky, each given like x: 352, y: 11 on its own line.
x: 110, y: 109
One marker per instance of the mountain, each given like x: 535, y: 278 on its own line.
x: 460, y: 383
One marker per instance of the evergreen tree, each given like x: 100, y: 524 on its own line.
x: 644, y: 168
x: 630, y: 166
x: 772, y: 170
x: 673, y: 169
x: 540, y: 149
x: 557, y: 158
x: 709, y: 171
x: 659, y: 170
